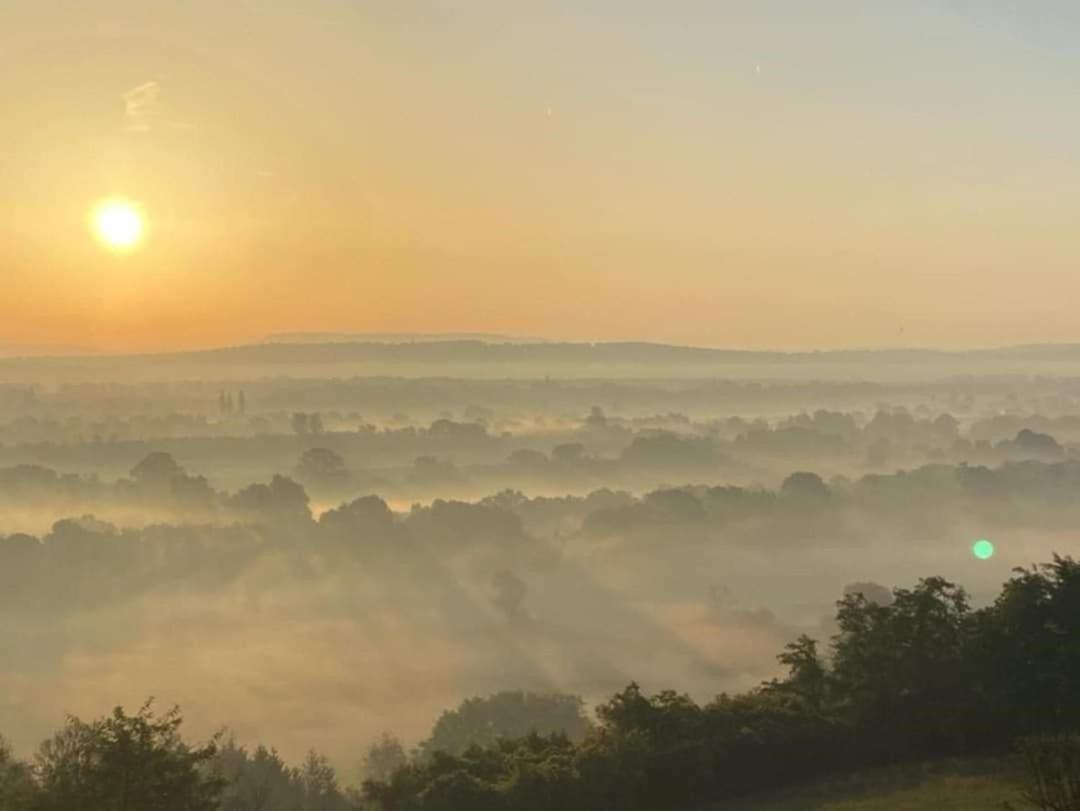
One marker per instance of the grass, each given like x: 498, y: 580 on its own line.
x: 960, y: 785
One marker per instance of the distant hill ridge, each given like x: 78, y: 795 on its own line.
x: 490, y: 348
x: 489, y: 356
x: 397, y: 337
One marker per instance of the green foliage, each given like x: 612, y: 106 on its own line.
x: 322, y: 467
x: 915, y: 676
x: 261, y: 781
x: 1054, y: 771
x: 922, y: 675
x: 505, y: 715
x: 904, y: 666
x: 1031, y: 637
x: 808, y: 677
x: 125, y: 762
x: 18, y: 792
x: 384, y: 757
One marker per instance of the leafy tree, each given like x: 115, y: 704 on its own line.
x: 192, y: 493
x: 156, y: 469
x: 126, y: 763
x: 18, y: 792
x: 383, y: 758
x: 323, y: 467
x: 366, y: 520
x: 805, y: 489
x: 506, y: 715
x: 902, y: 666
x: 319, y: 785
x: 1029, y: 649
x: 259, y: 781
x: 807, y: 675
x: 282, y: 499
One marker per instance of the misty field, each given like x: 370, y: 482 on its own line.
x: 382, y: 587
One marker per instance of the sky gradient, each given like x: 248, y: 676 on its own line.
x: 767, y: 174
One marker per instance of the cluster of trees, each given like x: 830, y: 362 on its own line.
x: 475, y: 446
x: 912, y: 674
x: 922, y: 501
x: 484, y: 722
x: 840, y: 440
x: 85, y: 559
x: 121, y: 761
x: 158, y: 482
x: 227, y: 406
x: 260, y: 780
x: 920, y: 675
x: 141, y: 762
x: 82, y: 562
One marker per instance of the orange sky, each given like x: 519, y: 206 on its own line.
x: 756, y: 175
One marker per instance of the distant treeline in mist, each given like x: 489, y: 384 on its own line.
x: 335, y: 455
x: 87, y: 559
x: 318, y: 558
x: 912, y: 674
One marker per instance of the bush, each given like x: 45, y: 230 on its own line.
x: 1053, y: 763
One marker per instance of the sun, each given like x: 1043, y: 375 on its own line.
x: 119, y: 224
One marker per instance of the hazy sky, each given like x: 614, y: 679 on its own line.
x: 782, y: 174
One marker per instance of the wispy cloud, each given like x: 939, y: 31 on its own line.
x: 143, y: 110
x: 141, y: 107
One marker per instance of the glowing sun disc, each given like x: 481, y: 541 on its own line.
x: 119, y: 224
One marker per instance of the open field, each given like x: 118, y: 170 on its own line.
x: 960, y: 785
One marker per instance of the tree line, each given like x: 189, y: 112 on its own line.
x: 915, y: 674
x: 920, y: 675
x: 82, y: 559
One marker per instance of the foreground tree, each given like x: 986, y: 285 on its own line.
x: 126, y: 763
x: 906, y: 667
x: 17, y: 788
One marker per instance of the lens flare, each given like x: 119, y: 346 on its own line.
x: 982, y: 549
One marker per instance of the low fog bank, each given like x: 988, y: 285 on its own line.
x: 324, y: 630
x: 313, y: 561
x: 339, y: 454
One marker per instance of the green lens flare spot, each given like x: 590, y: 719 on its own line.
x: 982, y: 549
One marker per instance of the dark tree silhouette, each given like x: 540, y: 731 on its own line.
x: 506, y: 715
x: 126, y: 762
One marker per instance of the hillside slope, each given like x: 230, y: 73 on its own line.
x: 959, y: 785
